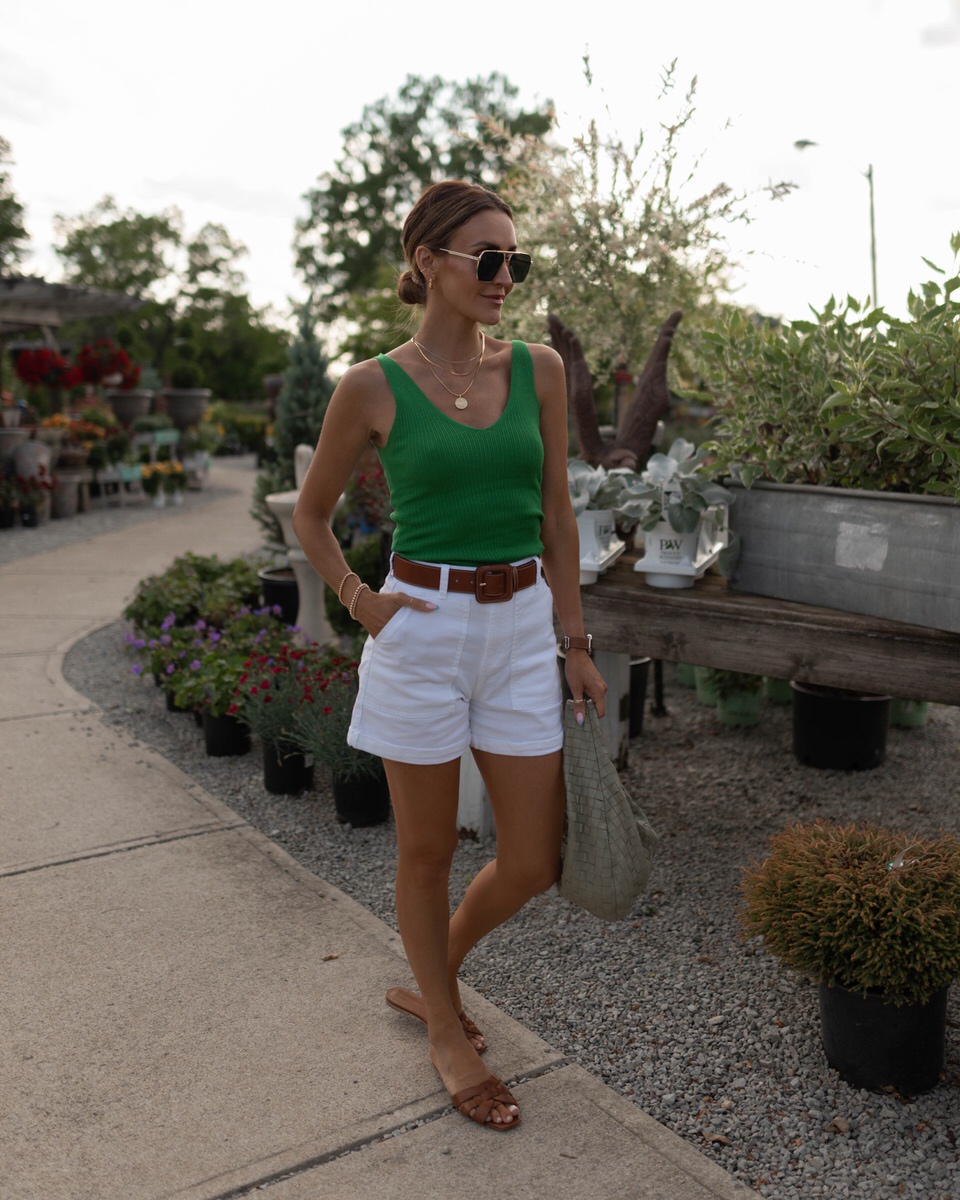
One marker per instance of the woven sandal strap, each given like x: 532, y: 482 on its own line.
x: 478, y: 1102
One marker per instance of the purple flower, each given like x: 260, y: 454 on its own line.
x: 195, y: 665
x: 169, y: 621
x: 137, y: 668
x: 169, y: 668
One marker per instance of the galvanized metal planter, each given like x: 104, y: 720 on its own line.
x: 878, y: 553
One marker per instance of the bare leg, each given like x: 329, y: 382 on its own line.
x: 527, y: 797
x: 425, y: 807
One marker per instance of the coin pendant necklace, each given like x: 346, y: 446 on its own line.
x: 459, y: 399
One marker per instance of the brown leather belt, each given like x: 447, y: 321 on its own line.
x: 490, y: 584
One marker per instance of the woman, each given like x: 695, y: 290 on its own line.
x: 472, y: 433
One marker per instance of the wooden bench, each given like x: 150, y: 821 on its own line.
x: 710, y: 626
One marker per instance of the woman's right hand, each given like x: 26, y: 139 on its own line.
x: 375, y: 610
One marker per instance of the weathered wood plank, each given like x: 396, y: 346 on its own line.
x: 713, y: 627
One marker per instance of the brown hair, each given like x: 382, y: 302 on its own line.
x: 439, y: 212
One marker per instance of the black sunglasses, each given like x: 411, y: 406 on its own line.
x: 489, y: 263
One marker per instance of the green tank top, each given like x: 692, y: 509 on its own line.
x: 460, y: 495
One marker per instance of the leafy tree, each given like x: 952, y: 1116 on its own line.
x: 195, y: 320
x: 347, y: 247
x: 622, y: 237
x: 301, y: 405
x: 13, y: 232
x: 119, y: 251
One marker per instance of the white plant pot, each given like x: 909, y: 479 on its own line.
x: 599, y: 545
x: 677, y: 560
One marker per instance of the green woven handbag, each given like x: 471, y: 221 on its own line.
x: 608, y: 844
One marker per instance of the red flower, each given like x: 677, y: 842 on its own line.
x: 101, y: 360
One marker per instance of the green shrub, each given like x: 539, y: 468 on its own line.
x: 193, y: 587
x: 860, y: 906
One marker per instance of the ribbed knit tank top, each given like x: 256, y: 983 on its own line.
x: 465, y: 496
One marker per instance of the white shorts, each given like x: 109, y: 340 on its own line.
x: 467, y: 674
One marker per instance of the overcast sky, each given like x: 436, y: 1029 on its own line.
x: 231, y: 110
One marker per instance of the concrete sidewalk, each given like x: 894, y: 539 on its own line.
x: 189, y: 1013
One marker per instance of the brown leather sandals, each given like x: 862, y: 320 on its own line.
x: 405, y: 1001
x: 478, y: 1102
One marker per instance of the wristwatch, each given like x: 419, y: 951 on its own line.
x: 578, y: 643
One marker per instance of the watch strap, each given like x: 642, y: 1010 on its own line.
x: 578, y: 643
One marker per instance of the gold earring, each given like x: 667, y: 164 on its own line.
x: 430, y: 283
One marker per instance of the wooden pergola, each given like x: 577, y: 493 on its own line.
x: 30, y: 303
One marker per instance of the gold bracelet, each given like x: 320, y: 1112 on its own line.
x: 349, y: 575
x: 356, y: 596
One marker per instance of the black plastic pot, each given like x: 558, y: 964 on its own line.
x: 225, y: 736
x: 361, y: 800
x: 875, y: 1044
x: 837, y: 729
x: 278, y: 585
x: 286, y: 772
x: 639, y: 673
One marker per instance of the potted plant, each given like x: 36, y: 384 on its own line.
x: 152, y: 481
x: 268, y: 698
x: 105, y: 364
x: 841, y: 435
x: 197, y: 445
x: 195, y: 587
x: 42, y: 367
x: 737, y: 696
x: 186, y: 400
x: 591, y: 494
x: 360, y: 792
x: 9, y: 502
x: 681, y: 510
x: 839, y: 729
x: 34, y: 495
x: 174, y: 481
x: 873, y: 917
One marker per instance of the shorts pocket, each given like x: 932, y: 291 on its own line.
x: 393, y: 625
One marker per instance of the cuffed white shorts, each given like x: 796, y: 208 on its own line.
x: 467, y: 674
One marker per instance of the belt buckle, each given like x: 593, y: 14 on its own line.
x: 495, y: 583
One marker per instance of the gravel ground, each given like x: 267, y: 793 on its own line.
x: 706, y: 1033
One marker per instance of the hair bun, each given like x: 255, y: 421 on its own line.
x: 411, y: 288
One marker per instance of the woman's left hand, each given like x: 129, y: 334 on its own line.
x: 585, y: 683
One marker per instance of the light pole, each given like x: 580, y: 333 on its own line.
x: 803, y: 144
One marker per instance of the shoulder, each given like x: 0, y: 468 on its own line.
x: 368, y: 373
x: 363, y: 395
x: 548, y: 371
x: 544, y: 356
x: 364, y: 381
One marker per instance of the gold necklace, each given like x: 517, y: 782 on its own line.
x: 437, y: 359
x: 460, y: 399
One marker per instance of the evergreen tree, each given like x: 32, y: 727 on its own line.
x: 302, y: 402
x: 13, y: 232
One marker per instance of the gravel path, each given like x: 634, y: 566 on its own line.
x: 708, y: 1035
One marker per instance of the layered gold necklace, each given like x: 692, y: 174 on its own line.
x: 459, y: 398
